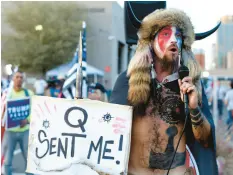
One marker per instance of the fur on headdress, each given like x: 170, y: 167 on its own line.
x: 139, y: 66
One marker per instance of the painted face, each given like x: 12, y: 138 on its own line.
x: 169, y: 39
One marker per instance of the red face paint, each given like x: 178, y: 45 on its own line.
x: 163, y: 37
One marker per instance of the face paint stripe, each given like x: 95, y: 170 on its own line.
x: 158, y: 47
x: 172, y: 37
x: 178, y: 39
x: 164, y: 37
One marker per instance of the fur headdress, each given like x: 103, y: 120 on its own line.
x: 139, y: 66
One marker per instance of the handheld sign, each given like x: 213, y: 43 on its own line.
x: 17, y: 110
x: 78, y: 137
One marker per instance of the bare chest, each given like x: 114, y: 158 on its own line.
x: 156, y: 134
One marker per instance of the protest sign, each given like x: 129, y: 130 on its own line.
x: 17, y: 110
x: 78, y: 137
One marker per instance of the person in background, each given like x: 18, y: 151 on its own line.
x: 2, y: 88
x: 40, y: 85
x: 17, y: 135
x: 209, y: 92
x: 61, y: 79
x: 97, y: 92
x: 229, y: 103
x: 54, y: 89
x: 221, y: 91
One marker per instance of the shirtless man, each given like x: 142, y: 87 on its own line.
x: 165, y: 39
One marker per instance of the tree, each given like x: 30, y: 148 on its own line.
x: 45, y: 34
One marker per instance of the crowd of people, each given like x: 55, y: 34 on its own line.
x: 224, y: 139
x: 228, y: 100
x: 224, y: 92
x: 53, y: 88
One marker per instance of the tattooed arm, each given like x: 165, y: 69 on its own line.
x: 200, y: 126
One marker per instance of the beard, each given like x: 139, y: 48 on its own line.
x: 169, y: 63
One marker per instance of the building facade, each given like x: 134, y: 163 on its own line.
x: 214, y: 56
x: 106, y: 46
x: 224, y: 41
x: 200, y: 57
x: 230, y: 60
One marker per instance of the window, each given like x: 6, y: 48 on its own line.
x: 120, y: 57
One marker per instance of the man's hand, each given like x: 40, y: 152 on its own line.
x: 23, y: 123
x: 187, y: 87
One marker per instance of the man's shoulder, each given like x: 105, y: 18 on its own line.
x: 122, y: 76
x: 120, y: 90
x: 122, y: 80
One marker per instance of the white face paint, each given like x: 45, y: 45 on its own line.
x: 169, y: 39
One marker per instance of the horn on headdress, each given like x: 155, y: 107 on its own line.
x: 199, y: 36
x: 137, y: 23
x: 134, y: 20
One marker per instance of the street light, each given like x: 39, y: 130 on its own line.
x: 38, y: 27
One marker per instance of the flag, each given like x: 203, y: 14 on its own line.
x: 69, y: 86
x: 5, y: 96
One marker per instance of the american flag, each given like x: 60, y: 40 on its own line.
x: 68, y: 89
x: 3, y: 107
x: 5, y: 96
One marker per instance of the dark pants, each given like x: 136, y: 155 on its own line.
x: 220, y: 108
x: 230, y: 119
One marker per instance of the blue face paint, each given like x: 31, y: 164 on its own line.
x: 178, y: 36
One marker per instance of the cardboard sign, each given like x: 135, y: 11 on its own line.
x: 78, y: 137
x: 17, y: 110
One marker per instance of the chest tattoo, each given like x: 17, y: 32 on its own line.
x: 163, y: 160
x: 167, y: 105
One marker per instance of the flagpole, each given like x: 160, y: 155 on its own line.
x: 75, y: 86
x: 79, y: 74
x: 84, y: 61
